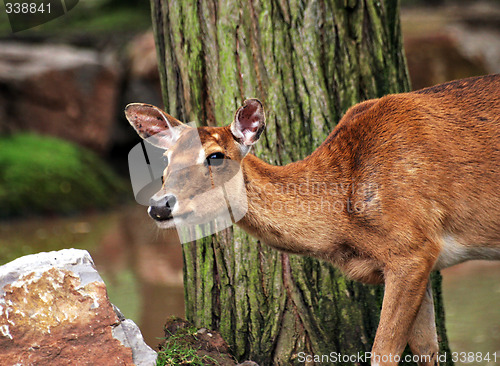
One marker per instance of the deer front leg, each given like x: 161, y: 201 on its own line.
x: 404, y: 291
x: 423, y: 336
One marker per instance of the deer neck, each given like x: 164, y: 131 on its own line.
x: 287, y: 204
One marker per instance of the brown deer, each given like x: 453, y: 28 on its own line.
x: 422, y: 171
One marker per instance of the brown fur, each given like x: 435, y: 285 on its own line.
x: 405, y: 184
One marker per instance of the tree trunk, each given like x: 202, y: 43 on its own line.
x: 308, y: 62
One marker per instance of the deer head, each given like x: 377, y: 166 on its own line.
x: 202, y: 178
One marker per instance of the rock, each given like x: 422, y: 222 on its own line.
x: 434, y: 59
x: 130, y: 335
x: 142, y: 55
x: 451, y: 42
x: 54, y: 310
x: 58, y: 90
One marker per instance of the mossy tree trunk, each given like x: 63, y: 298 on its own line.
x: 308, y: 61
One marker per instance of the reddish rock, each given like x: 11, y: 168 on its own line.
x: 142, y: 57
x: 58, y: 90
x: 434, y: 59
x: 54, y: 310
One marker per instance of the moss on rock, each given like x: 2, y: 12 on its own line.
x: 40, y: 174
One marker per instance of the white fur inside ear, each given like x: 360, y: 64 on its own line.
x: 236, y: 132
x: 168, y: 138
x: 173, y: 132
x: 169, y: 133
x: 169, y: 125
x: 249, y: 122
x: 165, y: 138
x: 245, y: 135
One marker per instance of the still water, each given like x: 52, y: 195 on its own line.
x: 142, y: 268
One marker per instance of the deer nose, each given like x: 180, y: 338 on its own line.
x: 161, y: 209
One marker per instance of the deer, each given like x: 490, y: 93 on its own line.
x: 425, y: 171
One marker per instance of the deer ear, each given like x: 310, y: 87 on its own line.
x: 249, y: 122
x: 151, y: 123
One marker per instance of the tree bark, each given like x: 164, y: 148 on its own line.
x: 308, y: 62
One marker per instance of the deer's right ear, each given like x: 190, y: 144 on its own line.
x: 249, y: 122
x: 151, y: 123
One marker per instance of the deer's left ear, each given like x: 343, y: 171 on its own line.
x: 249, y: 122
x: 151, y: 123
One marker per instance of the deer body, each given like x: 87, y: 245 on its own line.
x: 404, y: 185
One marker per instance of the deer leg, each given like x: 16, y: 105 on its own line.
x: 423, y: 336
x: 405, y: 288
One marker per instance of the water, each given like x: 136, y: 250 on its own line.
x: 471, y: 294
x: 142, y: 268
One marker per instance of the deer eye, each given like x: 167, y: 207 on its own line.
x: 215, y: 159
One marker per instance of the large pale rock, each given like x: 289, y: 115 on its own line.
x: 58, y: 90
x: 54, y: 310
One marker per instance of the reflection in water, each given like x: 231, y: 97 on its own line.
x: 142, y: 268
x: 471, y: 294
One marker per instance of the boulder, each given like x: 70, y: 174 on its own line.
x: 437, y: 58
x: 54, y: 310
x: 451, y: 42
x: 58, y: 90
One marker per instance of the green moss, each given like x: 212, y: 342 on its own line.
x: 47, y: 175
x: 180, y: 348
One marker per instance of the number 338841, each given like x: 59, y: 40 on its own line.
x: 27, y: 8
